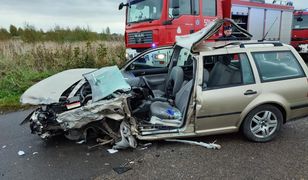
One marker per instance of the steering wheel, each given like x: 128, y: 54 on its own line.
x: 147, y: 86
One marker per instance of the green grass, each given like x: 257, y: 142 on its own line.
x: 24, y: 64
x: 13, y: 84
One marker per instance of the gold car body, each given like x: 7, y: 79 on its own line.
x: 223, y: 110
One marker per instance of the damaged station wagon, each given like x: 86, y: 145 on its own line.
x: 194, y: 88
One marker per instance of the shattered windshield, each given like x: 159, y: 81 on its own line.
x: 144, y: 10
x: 300, y: 24
x: 106, y: 81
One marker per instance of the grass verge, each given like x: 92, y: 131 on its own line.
x: 24, y: 64
x: 15, y: 83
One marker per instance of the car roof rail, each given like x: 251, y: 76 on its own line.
x: 242, y: 45
x: 228, y: 44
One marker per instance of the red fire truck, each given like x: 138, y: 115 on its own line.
x: 300, y: 32
x: 152, y: 23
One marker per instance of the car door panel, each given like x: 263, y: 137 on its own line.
x: 145, y: 72
x: 221, y: 108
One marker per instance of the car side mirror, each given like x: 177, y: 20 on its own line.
x: 122, y: 5
x: 299, y: 19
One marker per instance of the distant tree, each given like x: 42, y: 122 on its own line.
x: 13, y: 30
x: 108, y: 30
x: 30, y: 34
x: 4, y: 34
x: 20, y: 31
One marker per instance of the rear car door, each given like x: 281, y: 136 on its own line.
x: 282, y: 74
x: 152, y: 65
x: 228, y: 87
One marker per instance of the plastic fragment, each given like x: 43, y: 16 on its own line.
x: 121, y: 170
x: 34, y: 153
x: 203, y: 144
x: 170, y: 112
x: 21, y: 153
x: 81, y: 142
x: 147, y: 144
x: 3, y: 146
x: 112, y: 151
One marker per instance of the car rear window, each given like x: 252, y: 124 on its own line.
x: 273, y: 66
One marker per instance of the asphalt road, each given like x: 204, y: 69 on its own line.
x: 284, y: 158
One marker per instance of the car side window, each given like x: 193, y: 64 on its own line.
x: 226, y: 71
x: 273, y: 66
x: 155, y: 59
x: 184, y: 58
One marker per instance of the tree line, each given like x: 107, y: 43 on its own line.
x: 30, y: 34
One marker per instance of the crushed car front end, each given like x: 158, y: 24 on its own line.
x: 92, y: 103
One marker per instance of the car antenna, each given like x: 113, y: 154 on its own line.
x: 269, y: 30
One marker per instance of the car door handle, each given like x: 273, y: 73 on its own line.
x: 142, y: 73
x: 250, y: 92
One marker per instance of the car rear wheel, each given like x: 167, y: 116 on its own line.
x: 263, y: 123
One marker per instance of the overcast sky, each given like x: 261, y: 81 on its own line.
x: 45, y: 14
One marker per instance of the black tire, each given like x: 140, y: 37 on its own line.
x: 250, y: 127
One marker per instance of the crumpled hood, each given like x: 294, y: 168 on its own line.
x: 49, y: 90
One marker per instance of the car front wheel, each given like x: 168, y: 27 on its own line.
x: 263, y: 123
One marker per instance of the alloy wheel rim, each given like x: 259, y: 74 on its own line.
x: 263, y: 124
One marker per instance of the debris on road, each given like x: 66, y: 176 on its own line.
x: 21, y: 153
x: 4, y: 146
x: 34, y: 153
x: 101, y: 143
x: 80, y: 142
x: 203, y: 144
x: 121, y: 170
x: 112, y: 151
x: 145, y: 146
